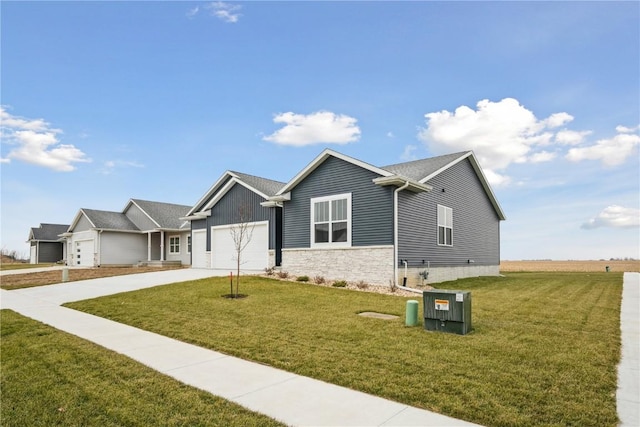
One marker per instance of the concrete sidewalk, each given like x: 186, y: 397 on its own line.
x: 628, y: 394
x: 289, y: 398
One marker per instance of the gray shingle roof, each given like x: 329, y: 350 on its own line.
x: 48, y: 232
x: 419, y: 169
x: 110, y: 220
x: 264, y: 185
x: 167, y: 215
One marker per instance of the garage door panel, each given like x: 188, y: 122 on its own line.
x: 84, y: 253
x: 255, y: 255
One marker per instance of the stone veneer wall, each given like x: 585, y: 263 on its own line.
x: 372, y: 264
x: 445, y: 274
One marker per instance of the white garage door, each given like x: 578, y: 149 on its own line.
x: 84, y: 253
x: 254, y: 257
x: 199, y: 249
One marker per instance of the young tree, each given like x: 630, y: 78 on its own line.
x: 241, y: 233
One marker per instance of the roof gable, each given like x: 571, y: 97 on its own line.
x: 105, y: 220
x: 426, y: 169
x: 163, y: 215
x: 262, y: 186
x: 418, y: 170
x: 47, y: 232
x: 323, y: 157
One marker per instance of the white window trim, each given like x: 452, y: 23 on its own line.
x: 330, y: 245
x: 450, y: 210
x: 189, y: 243
x: 171, y: 246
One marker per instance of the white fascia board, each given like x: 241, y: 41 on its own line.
x: 445, y: 167
x: 131, y: 202
x: 399, y: 181
x: 227, y: 187
x: 320, y: 159
x: 211, y: 191
x: 483, y: 180
x: 77, y: 218
x: 271, y: 204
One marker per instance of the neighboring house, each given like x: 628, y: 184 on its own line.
x: 144, y: 232
x: 346, y: 219
x: 237, y: 198
x: 46, y: 245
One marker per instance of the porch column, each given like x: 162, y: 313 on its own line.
x: 162, y: 246
x: 149, y: 246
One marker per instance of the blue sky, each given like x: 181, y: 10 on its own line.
x: 106, y: 101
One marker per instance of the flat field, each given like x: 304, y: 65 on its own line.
x: 571, y: 266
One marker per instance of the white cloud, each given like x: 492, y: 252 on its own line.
x: 110, y: 165
x: 557, y: 119
x: 542, y: 156
x: 390, y: 135
x: 37, y: 143
x: 571, y: 137
x: 191, y: 13
x: 500, y: 133
x: 409, y: 153
x: 4, y: 160
x: 611, y: 152
x: 615, y: 217
x: 315, y: 128
x: 225, y: 11
x: 624, y: 129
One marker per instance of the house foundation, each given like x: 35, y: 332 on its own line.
x: 371, y: 264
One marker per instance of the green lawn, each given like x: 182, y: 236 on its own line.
x: 544, y: 350
x: 21, y: 266
x: 52, y: 378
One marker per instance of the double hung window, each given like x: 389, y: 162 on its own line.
x: 174, y: 245
x: 445, y: 226
x: 331, y: 221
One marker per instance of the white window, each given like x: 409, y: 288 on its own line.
x: 445, y: 226
x: 331, y: 221
x: 174, y: 245
x: 188, y: 244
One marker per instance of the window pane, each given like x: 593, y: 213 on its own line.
x: 441, y: 235
x: 339, y: 232
x: 321, y: 211
x: 449, y: 216
x: 449, y: 236
x: 321, y: 233
x: 441, y: 215
x: 339, y: 210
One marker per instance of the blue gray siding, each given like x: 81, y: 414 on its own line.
x: 371, y: 205
x: 226, y: 211
x: 476, y: 226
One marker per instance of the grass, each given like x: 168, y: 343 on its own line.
x: 53, y: 378
x: 21, y: 266
x: 28, y: 280
x: 544, y: 350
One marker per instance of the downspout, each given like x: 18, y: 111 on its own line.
x: 99, y: 254
x: 395, y: 238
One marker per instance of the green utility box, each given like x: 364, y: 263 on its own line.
x: 447, y: 311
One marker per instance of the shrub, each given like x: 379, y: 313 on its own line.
x: 339, y: 284
x: 319, y: 280
x: 270, y: 271
x: 282, y: 274
x: 303, y: 278
x: 392, y: 285
x: 362, y: 284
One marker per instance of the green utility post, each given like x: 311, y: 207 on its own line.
x: 412, y: 313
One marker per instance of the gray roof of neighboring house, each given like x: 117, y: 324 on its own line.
x: 110, y: 220
x: 419, y: 169
x: 264, y: 185
x: 167, y: 215
x: 48, y: 232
